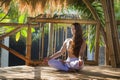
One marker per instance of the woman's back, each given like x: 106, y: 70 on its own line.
x: 69, y: 50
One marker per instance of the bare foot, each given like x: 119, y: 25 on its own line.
x: 80, y: 63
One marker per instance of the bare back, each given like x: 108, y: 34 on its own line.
x: 68, y: 48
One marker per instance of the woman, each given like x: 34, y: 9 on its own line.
x: 75, y: 47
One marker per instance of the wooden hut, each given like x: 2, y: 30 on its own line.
x: 36, y: 7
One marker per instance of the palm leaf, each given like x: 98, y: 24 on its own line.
x: 17, y: 36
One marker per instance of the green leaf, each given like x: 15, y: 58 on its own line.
x: 21, y: 18
x: 17, y: 36
x: 8, y: 28
x: 24, y: 33
x: 2, y: 15
x: 5, y: 20
x: 32, y: 30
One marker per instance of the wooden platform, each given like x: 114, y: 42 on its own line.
x: 48, y: 73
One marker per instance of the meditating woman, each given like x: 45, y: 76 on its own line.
x: 75, y: 48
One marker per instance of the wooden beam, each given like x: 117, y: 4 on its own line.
x: 91, y: 9
x: 10, y: 33
x: 43, y: 20
x: 14, y: 52
x: 66, y: 21
x: 28, y: 45
x: 91, y: 62
x: 18, y: 24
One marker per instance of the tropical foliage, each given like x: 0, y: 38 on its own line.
x: 13, y: 16
x: 17, y: 11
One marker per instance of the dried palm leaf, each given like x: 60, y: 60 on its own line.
x: 5, y: 5
x: 35, y: 7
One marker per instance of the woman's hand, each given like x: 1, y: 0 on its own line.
x: 45, y: 60
x: 63, y: 61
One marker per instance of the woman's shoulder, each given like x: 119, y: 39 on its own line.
x: 68, y: 39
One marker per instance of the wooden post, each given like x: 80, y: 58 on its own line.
x: 115, y: 33
x: 107, y: 53
x: 53, y: 40
x: 28, y: 45
x: 109, y: 33
x: 55, y: 32
x: 107, y: 56
x: 110, y: 45
x: 65, y: 39
x: 50, y: 40
x: 40, y: 41
x: 42, y: 50
x: 97, y: 43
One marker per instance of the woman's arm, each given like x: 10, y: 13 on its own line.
x: 82, y: 50
x: 60, y: 52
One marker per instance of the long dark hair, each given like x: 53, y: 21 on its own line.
x: 77, y: 39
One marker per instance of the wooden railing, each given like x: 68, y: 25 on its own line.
x: 27, y: 58
x: 52, y: 43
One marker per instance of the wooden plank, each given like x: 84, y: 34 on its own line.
x: 10, y: 33
x: 66, y: 21
x: 91, y: 62
x: 28, y: 45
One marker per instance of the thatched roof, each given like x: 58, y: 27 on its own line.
x: 35, y: 7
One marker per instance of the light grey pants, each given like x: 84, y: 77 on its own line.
x: 69, y: 63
